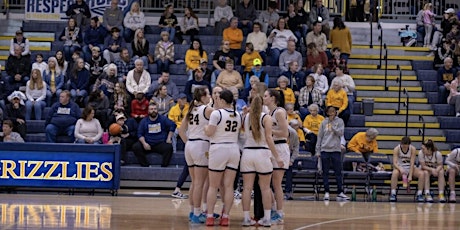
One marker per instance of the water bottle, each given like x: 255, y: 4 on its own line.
x: 299, y: 165
x: 404, y: 178
x: 374, y: 193
x: 353, y: 193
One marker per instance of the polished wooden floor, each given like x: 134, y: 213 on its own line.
x: 146, y: 211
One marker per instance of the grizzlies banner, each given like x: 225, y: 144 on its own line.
x: 60, y: 165
x: 54, y: 10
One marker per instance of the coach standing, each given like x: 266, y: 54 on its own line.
x: 155, y: 134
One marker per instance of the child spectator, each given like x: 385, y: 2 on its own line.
x: 139, y: 107
x: 39, y: 63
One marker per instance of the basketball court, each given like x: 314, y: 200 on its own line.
x: 157, y: 210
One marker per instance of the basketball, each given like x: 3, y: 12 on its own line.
x: 115, y: 129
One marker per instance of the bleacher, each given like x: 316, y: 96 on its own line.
x: 417, y: 78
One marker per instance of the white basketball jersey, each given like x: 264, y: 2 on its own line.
x: 228, y: 125
x: 276, y: 123
x: 250, y: 141
x: 197, y: 122
x: 430, y: 161
x: 404, y: 157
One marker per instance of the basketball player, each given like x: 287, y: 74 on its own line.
x: 453, y: 161
x: 224, y: 155
x: 274, y: 100
x: 197, y: 147
x: 432, y: 165
x: 258, y: 149
x: 403, y: 167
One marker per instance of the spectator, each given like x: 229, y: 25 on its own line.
x: 449, y: 20
x: 246, y: 14
x: 294, y: 147
x: 134, y: 20
x: 348, y: 86
x: 164, y: 79
x: 155, y: 134
x: 177, y: 114
x: 293, y: 115
x: 454, y: 95
x: 432, y: 165
x: 235, y: 36
x: 207, y: 73
x: 124, y: 65
x: 295, y: 75
x: 288, y: 56
x: 309, y: 95
x: 79, y: 11
x: 296, y: 23
x: 164, y: 53
x: 168, y: 22
x: 94, y: 36
x: 141, y: 49
x: 442, y: 53
x: 62, y: 64
x: 289, y: 96
x: 194, y: 54
x: 62, y: 118
x: 113, y: 17
x: 337, y: 97
x: 139, y: 107
x: 8, y: 134
x: 328, y: 149
x: 113, y: 45
x: 88, y: 130
x: 311, y: 125
x: 16, y: 112
x: 99, y: 102
x: 188, y: 26
x: 239, y: 103
x: 54, y: 81
x: 128, y: 135
x: 315, y: 36
x: 268, y: 19
x: 428, y: 21
x: 107, y: 80
x: 419, y: 22
x: 257, y: 71
x: 4, y: 91
x: 71, y: 35
x: 445, y: 76
x: 229, y: 77
x: 456, y: 58
x: 303, y: 16
x: 79, y: 82
x: 39, y: 63
x: 454, y: 35
x: 279, y: 38
x: 219, y: 59
x: 248, y: 89
x: 138, y: 79
x: 341, y: 39
x: 321, y: 82
x: 163, y: 101
x: 453, y: 162
x: 335, y: 61
x: 121, y: 99
x: 247, y: 60
x: 36, y: 95
x: 96, y: 65
x: 222, y: 15
x: 197, y: 81
x: 320, y: 13
x: 259, y: 40
x: 314, y: 56
x: 18, y: 69
x: 21, y: 41
x: 364, y: 143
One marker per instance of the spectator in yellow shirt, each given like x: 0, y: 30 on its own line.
x: 311, y: 127
x: 289, y: 96
x: 193, y: 56
x: 176, y: 114
x: 291, y: 113
x: 235, y: 37
x: 364, y: 143
x: 296, y: 125
x: 337, y: 97
x: 247, y: 60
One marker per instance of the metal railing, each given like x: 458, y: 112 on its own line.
x: 422, y: 130
x: 410, y: 8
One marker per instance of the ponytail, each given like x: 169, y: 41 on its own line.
x: 256, y: 110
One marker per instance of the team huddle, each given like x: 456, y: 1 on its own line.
x: 214, y: 133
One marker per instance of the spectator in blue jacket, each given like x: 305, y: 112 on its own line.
x: 62, y: 118
x: 79, y: 81
x: 113, y: 45
x: 155, y: 134
x: 94, y: 36
x: 258, y: 71
x: 296, y: 77
x: 197, y: 81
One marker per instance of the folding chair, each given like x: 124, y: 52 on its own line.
x: 306, y: 175
x: 353, y: 174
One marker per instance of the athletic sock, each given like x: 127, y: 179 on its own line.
x: 419, y: 192
x: 427, y: 192
x: 204, y: 206
x: 196, y: 211
x: 246, y: 215
x: 280, y: 212
x: 267, y: 213
x: 393, y: 191
x: 224, y: 215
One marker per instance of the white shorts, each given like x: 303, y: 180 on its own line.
x: 223, y: 156
x: 256, y: 161
x: 285, y: 155
x: 196, y: 153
